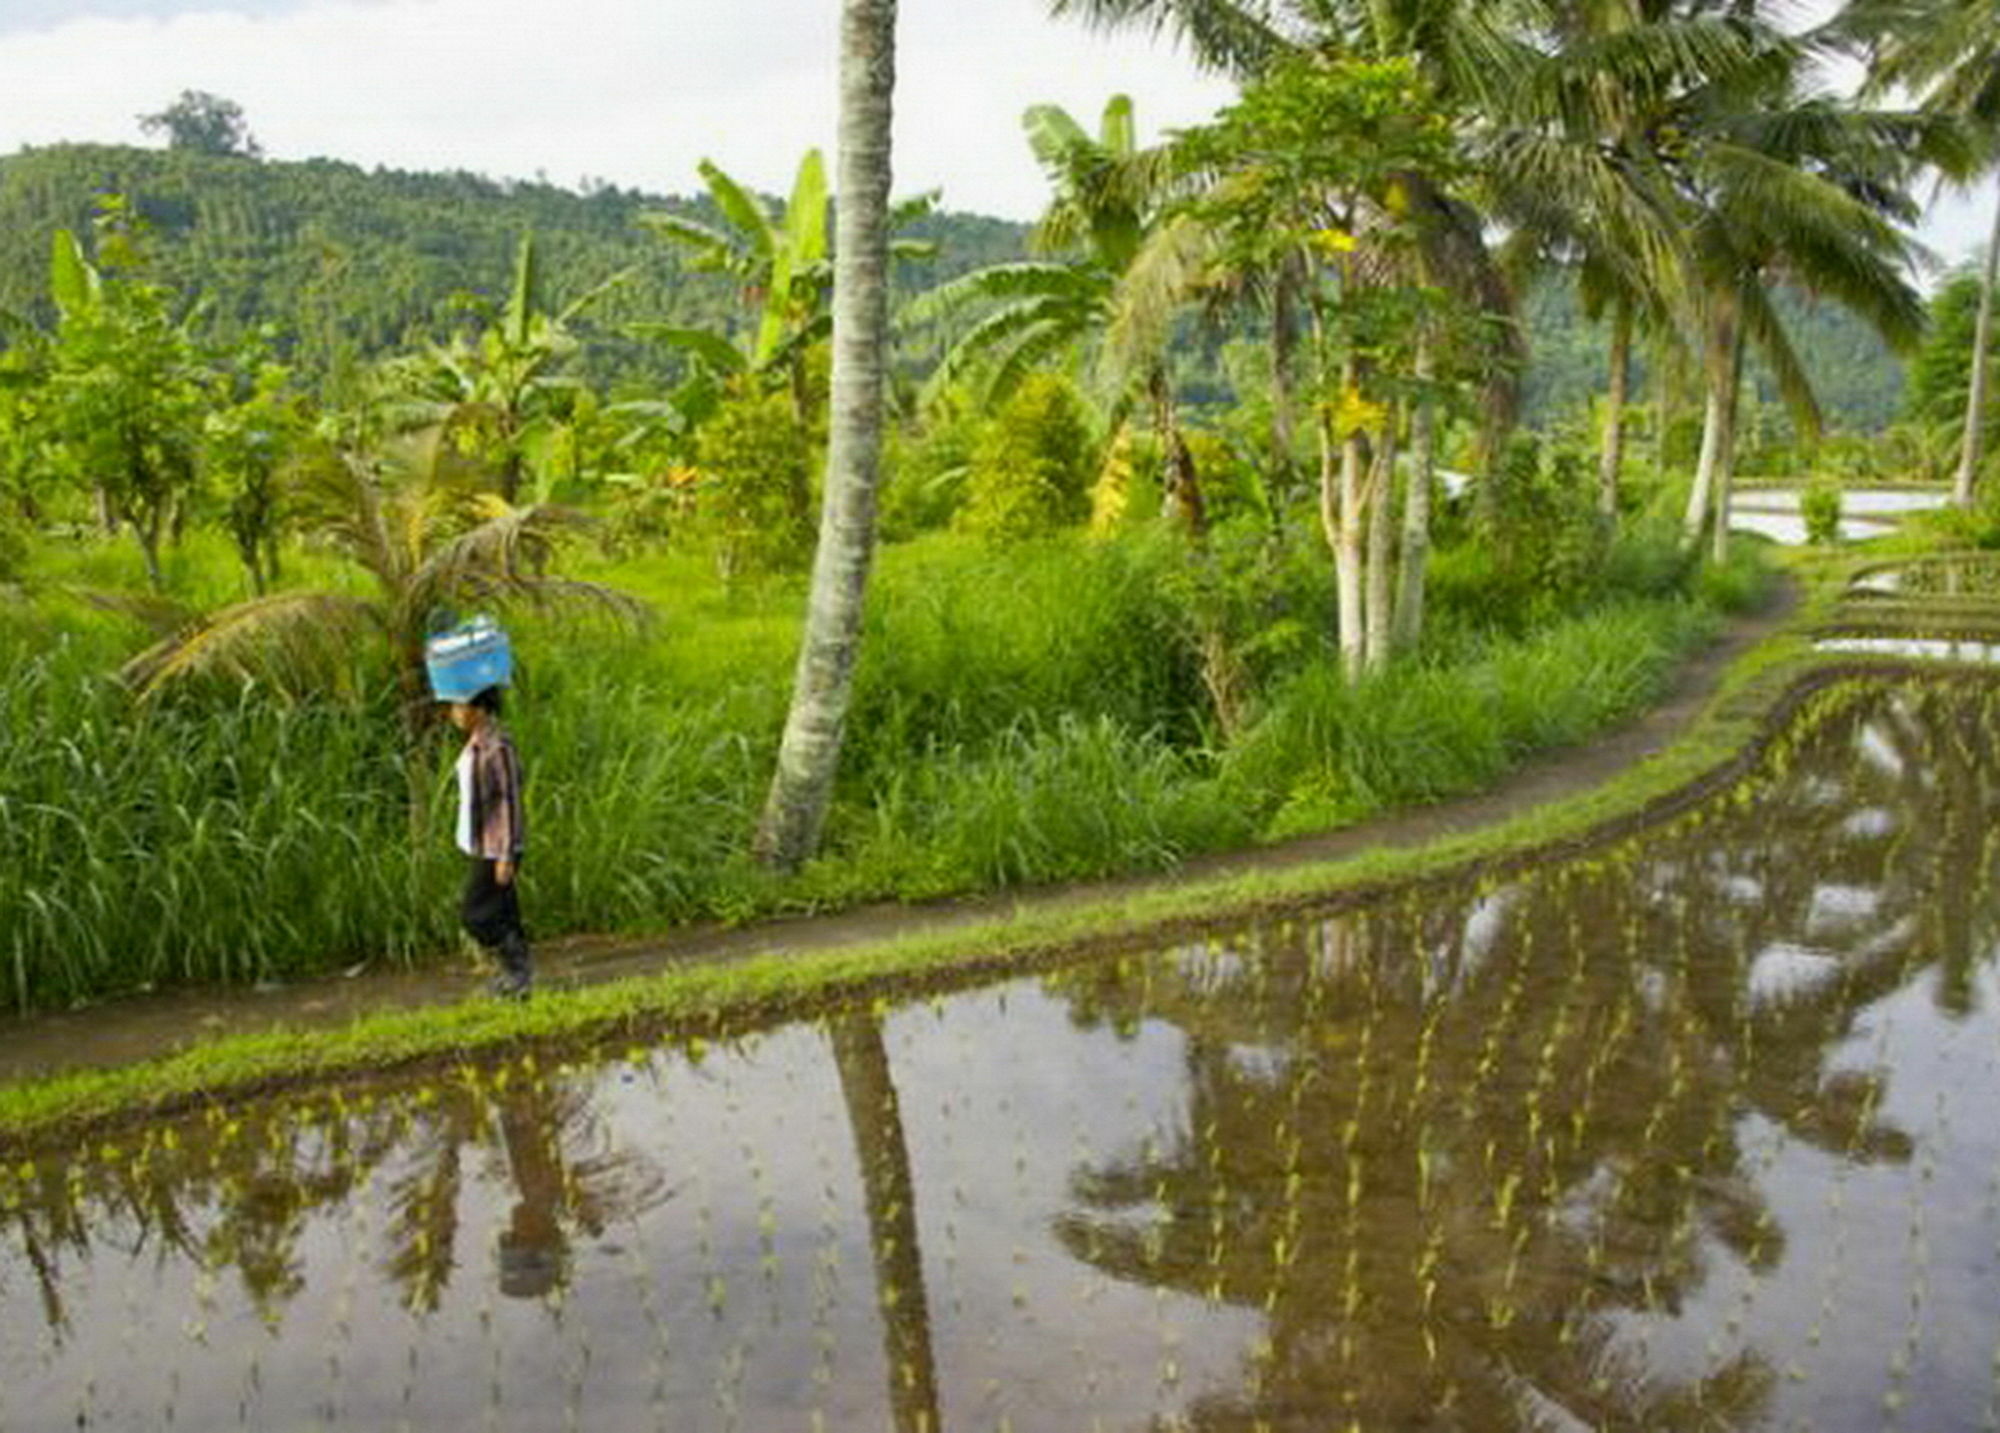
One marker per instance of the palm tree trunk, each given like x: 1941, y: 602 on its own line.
x: 1612, y: 458
x: 1725, y: 474
x: 1409, y: 617
x: 1381, y: 546
x: 875, y: 1116
x: 810, y: 751
x: 1972, y: 448
x: 1719, y: 364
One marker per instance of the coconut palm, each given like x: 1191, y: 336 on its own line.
x: 1950, y: 51
x: 809, y: 753
x: 1783, y: 188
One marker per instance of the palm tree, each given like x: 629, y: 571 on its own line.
x: 779, y: 267
x: 809, y: 753
x: 1780, y: 188
x: 1950, y: 51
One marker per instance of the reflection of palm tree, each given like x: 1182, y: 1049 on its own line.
x: 1392, y: 1179
x: 876, y: 1117
x: 1440, y: 1145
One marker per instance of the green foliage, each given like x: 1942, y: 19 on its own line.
x: 352, y: 265
x: 203, y: 123
x: 245, y: 445
x: 1546, y: 542
x: 1819, y: 505
x: 1330, y: 751
x: 755, y: 457
x: 1031, y: 469
x: 1941, y: 372
x: 122, y: 409
x: 964, y: 641
x: 925, y: 470
x: 1022, y: 713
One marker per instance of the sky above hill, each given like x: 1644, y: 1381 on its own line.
x: 630, y: 91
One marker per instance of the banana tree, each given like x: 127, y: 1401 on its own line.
x: 780, y: 269
x: 496, y: 393
x: 1110, y: 197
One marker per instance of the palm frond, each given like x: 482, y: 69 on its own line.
x: 1172, y: 264
x: 296, y: 641
x: 1762, y: 324
x: 1241, y: 37
x: 999, y: 283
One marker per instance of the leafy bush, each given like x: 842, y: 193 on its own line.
x: 1031, y: 469
x: 1819, y: 505
x: 755, y: 504
x: 1546, y: 541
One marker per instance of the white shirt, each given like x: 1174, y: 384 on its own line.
x: 465, y: 802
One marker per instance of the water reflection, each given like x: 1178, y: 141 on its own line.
x: 1683, y: 1133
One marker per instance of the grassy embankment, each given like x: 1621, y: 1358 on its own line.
x: 1023, y: 716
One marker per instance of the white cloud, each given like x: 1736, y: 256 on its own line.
x: 635, y: 91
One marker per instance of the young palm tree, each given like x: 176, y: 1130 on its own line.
x: 1950, y: 51
x: 427, y: 544
x: 809, y: 754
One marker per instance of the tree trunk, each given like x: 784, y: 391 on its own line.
x: 1350, y: 557
x: 889, y: 1192
x: 1409, y: 619
x: 1381, y: 575
x: 1725, y: 474
x: 1972, y: 448
x: 810, y: 752
x: 1612, y: 458
x: 1719, y: 366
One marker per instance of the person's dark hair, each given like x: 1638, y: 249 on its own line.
x: 487, y: 699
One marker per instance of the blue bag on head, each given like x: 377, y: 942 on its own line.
x: 467, y: 659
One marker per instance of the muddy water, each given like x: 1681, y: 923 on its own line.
x: 1692, y: 1132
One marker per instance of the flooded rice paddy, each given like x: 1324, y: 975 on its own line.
x: 1695, y: 1131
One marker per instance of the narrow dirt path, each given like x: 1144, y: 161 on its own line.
x: 125, y: 1031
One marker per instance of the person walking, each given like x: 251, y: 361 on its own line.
x: 491, y: 831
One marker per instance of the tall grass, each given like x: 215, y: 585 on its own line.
x: 1022, y: 715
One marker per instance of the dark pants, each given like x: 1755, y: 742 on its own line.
x: 492, y: 914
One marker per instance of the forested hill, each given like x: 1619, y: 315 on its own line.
x: 349, y: 260
x: 345, y: 261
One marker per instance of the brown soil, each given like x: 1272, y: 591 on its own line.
x: 130, y: 1030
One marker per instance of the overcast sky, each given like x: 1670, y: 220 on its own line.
x: 632, y: 91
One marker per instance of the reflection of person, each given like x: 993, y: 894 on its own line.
x: 532, y: 1247
x: 491, y: 831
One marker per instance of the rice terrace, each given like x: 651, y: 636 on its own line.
x: 1345, y: 775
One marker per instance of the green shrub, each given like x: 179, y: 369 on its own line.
x: 1819, y: 505
x: 1031, y: 468
x: 755, y: 458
